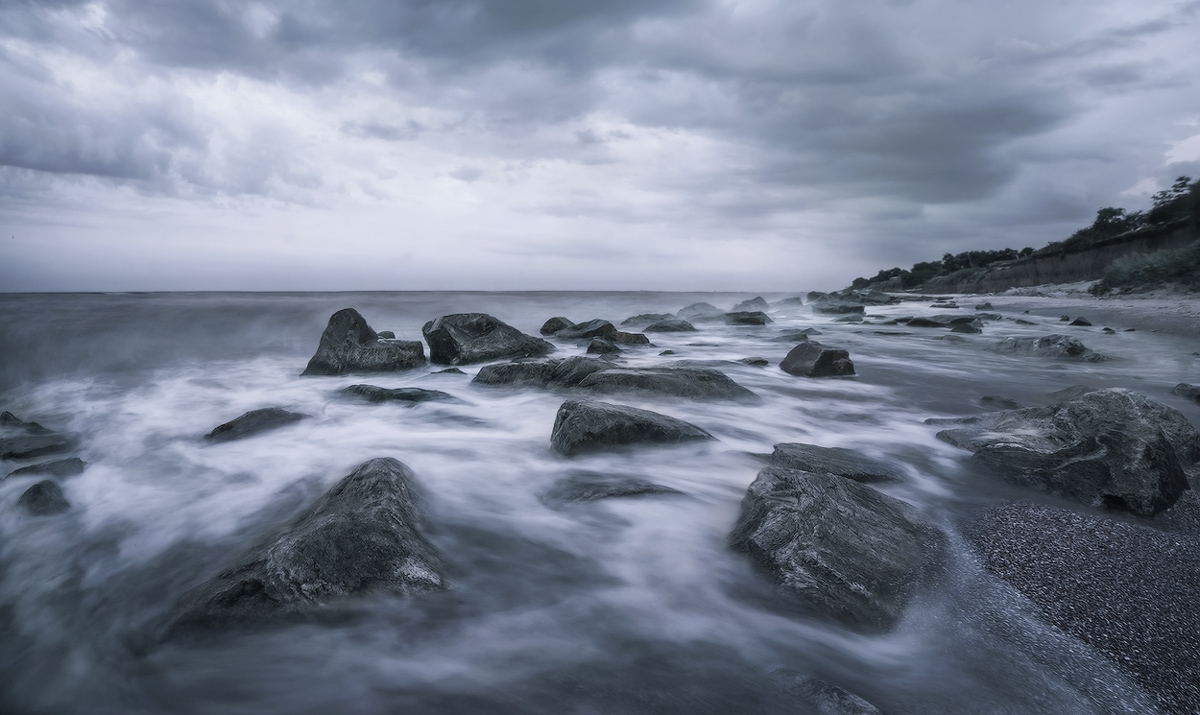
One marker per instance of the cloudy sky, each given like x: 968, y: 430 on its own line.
x: 563, y: 144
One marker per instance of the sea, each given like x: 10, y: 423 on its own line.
x: 623, y: 605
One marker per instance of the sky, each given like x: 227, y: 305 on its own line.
x: 752, y: 146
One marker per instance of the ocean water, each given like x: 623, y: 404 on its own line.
x: 620, y: 606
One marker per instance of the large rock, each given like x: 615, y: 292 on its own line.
x: 465, y: 338
x: 596, y: 328
x: 1109, y: 448
x: 362, y: 536
x: 700, y: 311
x: 842, y: 548
x: 812, y: 359
x: 754, y: 304
x: 646, y: 318
x: 58, y: 468
x: 691, y: 383
x: 252, y: 423
x: 553, y: 325
x: 554, y: 373
x: 24, y: 440
x: 349, y: 345
x: 595, y: 426
x: 670, y: 325
x: 834, y: 460
x: 409, y: 395
x: 621, y: 337
x: 44, y: 499
x: 747, y: 317
x: 1052, y: 346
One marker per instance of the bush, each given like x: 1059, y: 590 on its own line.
x: 1146, y: 271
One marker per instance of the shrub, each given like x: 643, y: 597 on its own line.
x: 1146, y: 271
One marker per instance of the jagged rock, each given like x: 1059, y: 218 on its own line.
x: 411, y: 395
x: 687, y: 382
x: 812, y: 359
x: 1191, y: 392
x: 465, y: 338
x: 589, y: 486
x: 43, y: 499
x: 700, y: 311
x: 670, y: 325
x: 362, y: 536
x: 796, y: 336
x: 622, y: 338
x: 595, y: 328
x: 1109, y: 448
x: 600, y: 346
x: 1081, y: 321
x: 755, y: 361
x: 25, y: 440
x: 838, y: 461
x: 836, y: 306
x: 754, y: 304
x: 594, y: 426
x: 553, y: 325
x: 1052, y: 346
x: 349, y: 345
x: 756, y: 317
x: 252, y: 423
x: 647, y: 318
x: 58, y: 468
x: 984, y: 306
x: 844, y: 549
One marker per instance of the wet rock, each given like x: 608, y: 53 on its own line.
x: 44, y: 499
x: 996, y: 402
x: 1128, y: 591
x: 836, y: 306
x: 842, y: 548
x: 670, y: 325
x: 700, y: 311
x: 448, y: 371
x: 585, y: 426
x: 1191, y: 392
x: 792, y: 302
x: 464, y: 338
x: 944, y: 304
x: 349, y: 345
x: 622, y: 338
x: 387, y: 334
x: 363, y: 535
x: 1109, y: 448
x: 838, y: 461
x: 755, y: 361
x: 1051, y: 346
x: 553, y: 325
x: 966, y: 328
x: 756, y: 317
x: 984, y: 306
x: 686, y: 382
x: 851, y: 318
x: 1064, y: 318
x: 796, y: 336
x: 1081, y: 322
x: 58, y: 468
x: 873, y: 296
x: 647, y: 318
x: 667, y: 352
x: 25, y: 440
x: 591, y: 329
x: 754, y: 304
x: 600, y: 346
x: 951, y: 338
x: 410, y: 395
x: 821, y: 697
x: 252, y: 423
x: 1109, y: 331
x: 812, y: 359
x: 589, y: 486
x: 555, y: 373
x: 1022, y: 321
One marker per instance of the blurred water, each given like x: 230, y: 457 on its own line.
x: 632, y: 605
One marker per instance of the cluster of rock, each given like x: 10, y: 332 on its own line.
x: 1051, y: 346
x: 29, y: 440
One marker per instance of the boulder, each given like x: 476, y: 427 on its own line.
x: 410, y: 395
x: 349, y: 345
x: 600, y: 346
x: 842, y: 548
x: 647, y: 318
x: 1191, y: 392
x: 836, y: 306
x: 1109, y: 448
x: 687, y: 382
x: 252, y: 423
x: 585, y: 426
x: 754, y: 304
x: 44, y: 499
x: 700, y: 311
x: 1051, y: 346
x: 24, y: 440
x: 588, y: 486
x: 1082, y: 322
x: 465, y: 338
x: 756, y: 317
x: 670, y: 325
x: 554, y: 373
x: 838, y: 461
x: 591, y: 329
x: 362, y: 536
x: 58, y: 468
x: 967, y: 328
x: 756, y: 361
x: 622, y: 338
x: 553, y: 325
x: 812, y: 359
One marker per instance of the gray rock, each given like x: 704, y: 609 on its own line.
x: 465, y: 338
x: 851, y: 318
x: 411, y: 395
x: 58, y: 468
x: 836, y: 306
x: 349, y: 345
x: 44, y: 499
x: 1051, y: 346
x: 389, y: 335
x: 553, y: 325
x: 25, y: 440
x: 1064, y: 318
x: 823, y: 698
x: 670, y: 325
x: 754, y: 304
x: 812, y: 359
x: 789, y: 302
x: 362, y: 536
x: 966, y: 328
x: 838, y: 461
x: 756, y: 317
x: 555, y: 373
x: 996, y: 402
x: 589, y: 486
x: 844, y: 549
x: 873, y: 296
x: 1081, y: 321
x: 796, y: 336
x: 596, y: 328
x: 984, y: 306
x: 1191, y: 392
x: 647, y: 318
x: 588, y: 426
x: 448, y: 371
x: 252, y: 423
x: 700, y: 311
x: 1106, y: 448
x: 622, y: 338
x: 942, y: 321
x: 692, y: 383
x: 600, y: 346
x: 755, y: 361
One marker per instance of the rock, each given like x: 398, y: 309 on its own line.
x: 465, y: 338
x: 553, y: 325
x: 647, y: 318
x: 944, y: 304
x: 448, y: 371
x: 870, y: 297
x: 590, y: 486
x: 687, y: 382
x: 1081, y: 322
x: 923, y: 323
x: 851, y: 318
x: 812, y: 359
x: 1129, y: 591
x: 594, y: 426
x: 823, y: 698
x: 670, y: 325
x: 846, y: 550
x: 349, y: 345
x: 555, y: 373
x: 756, y: 317
x: 966, y: 328
x: 252, y: 423
x: 951, y: 338
x: 667, y: 352
x: 1000, y: 403
x: 1109, y: 331
x: 700, y: 311
x: 1110, y: 448
x: 58, y: 468
x: 1052, y: 346
x: 387, y: 334
x: 1064, y: 318
x: 754, y: 304
x: 836, y: 306
x: 1191, y: 392
x: 411, y: 395
x: 25, y: 440
x: 600, y: 346
x: 789, y: 302
x: 796, y: 336
x: 623, y: 338
x: 755, y: 361
x: 591, y: 329
x: 984, y: 306
x: 1020, y: 321
x: 43, y: 499
x: 838, y: 461
x: 362, y: 536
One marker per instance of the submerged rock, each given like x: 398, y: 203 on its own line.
x: 252, y: 423
x: 362, y: 536
x: 838, y: 461
x: 24, y: 440
x: 44, y: 499
x: 465, y: 338
x: 1052, y: 346
x: 595, y: 426
x: 756, y: 317
x: 966, y: 328
x: 1191, y: 392
x: 349, y: 345
x: 58, y: 468
x: 812, y: 359
x: 842, y: 548
x: 693, y: 383
x: 588, y: 486
x: 1109, y: 448
x: 553, y: 325
x: 411, y: 395
x: 670, y: 325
